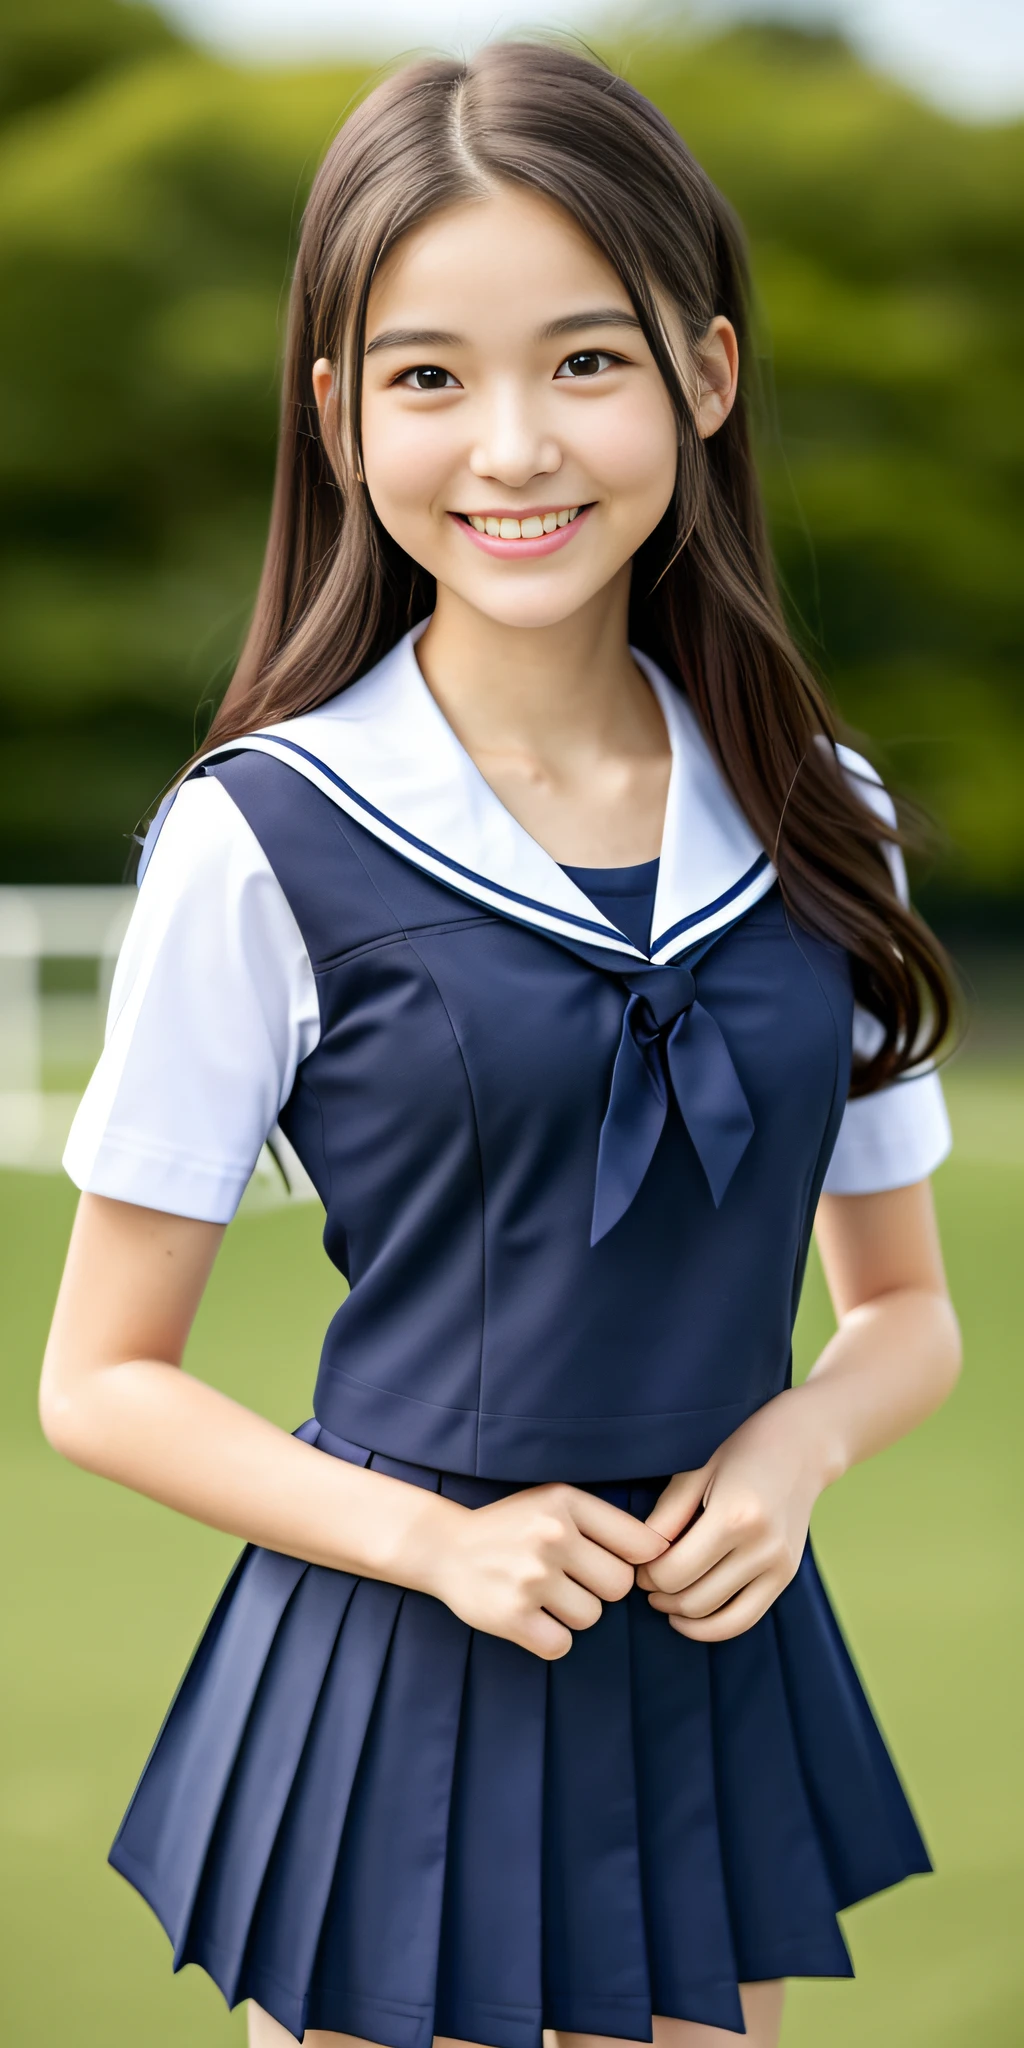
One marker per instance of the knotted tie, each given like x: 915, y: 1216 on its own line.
x: 668, y: 1039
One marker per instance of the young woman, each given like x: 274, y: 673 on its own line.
x: 524, y: 882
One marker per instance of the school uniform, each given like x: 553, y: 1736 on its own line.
x: 570, y: 1128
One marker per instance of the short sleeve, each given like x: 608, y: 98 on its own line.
x: 892, y: 1138
x: 900, y: 1134
x: 212, y: 1008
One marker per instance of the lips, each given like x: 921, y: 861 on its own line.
x: 522, y: 538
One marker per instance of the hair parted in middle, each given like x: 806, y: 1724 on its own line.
x: 337, y: 592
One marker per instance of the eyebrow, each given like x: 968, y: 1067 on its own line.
x: 570, y: 323
x: 414, y: 337
x: 596, y: 316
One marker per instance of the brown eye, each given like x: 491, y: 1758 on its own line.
x: 587, y: 362
x: 428, y: 377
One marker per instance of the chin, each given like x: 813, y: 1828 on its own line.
x: 530, y: 615
x: 512, y: 596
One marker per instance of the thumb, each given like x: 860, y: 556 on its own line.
x: 680, y: 1502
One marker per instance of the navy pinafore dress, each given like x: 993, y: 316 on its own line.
x: 572, y: 1192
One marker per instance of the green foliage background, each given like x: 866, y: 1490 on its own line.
x: 149, y: 198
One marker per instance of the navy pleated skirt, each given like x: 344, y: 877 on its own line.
x: 366, y: 1816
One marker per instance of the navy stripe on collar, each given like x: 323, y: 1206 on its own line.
x: 457, y: 868
x: 709, y: 910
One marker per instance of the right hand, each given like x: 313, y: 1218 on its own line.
x: 539, y: 1563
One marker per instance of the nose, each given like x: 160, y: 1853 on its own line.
x: 512, y: 443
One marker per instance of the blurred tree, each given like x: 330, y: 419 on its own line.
x: 145, y: 225
x: 888, y: 245
x: 50, y: 47
x: 148, y: 202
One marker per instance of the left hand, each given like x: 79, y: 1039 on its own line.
x: 752, y: 1502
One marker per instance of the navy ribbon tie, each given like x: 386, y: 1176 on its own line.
x: 668, y: 1040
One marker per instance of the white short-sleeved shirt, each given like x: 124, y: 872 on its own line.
x: 214, y: 1003
x: 212, y: 1007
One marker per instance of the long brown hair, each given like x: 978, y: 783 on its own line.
x: 336, y: 592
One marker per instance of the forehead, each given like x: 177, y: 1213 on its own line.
x: 511, y: 257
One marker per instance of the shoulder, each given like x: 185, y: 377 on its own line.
x: 209, y: 907
x: 197, y: 832
x: 213, y: 1006
x: 866, y: 782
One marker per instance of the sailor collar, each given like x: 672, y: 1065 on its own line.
x: 383, y: 751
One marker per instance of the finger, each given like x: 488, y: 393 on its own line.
x: 734, y: 1618
x: 544, y: 1637
x: 571, y: 1603
x: 676, y: 1507
x: 599, y: 1570
x: 712, y: 1591
x: 703, y: 1546
x: 613, y: 1529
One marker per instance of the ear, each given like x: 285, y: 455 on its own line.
x: 323, y: 384
x: 334, y: 428
x: 718, y: 367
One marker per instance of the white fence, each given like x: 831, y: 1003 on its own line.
x: 58, y: 947
x: 51, y: 1025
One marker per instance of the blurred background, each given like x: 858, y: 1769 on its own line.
x: 153, y: 167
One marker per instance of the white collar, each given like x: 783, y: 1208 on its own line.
x: 383, y: 751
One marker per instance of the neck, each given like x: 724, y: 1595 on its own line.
x: 537, y: 690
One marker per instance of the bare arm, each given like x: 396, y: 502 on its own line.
x: 115, y: 1399
x: 896, y: 1353
x: 894, y: 1357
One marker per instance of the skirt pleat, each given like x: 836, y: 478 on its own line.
x: 689, y: 1936
x: 489, y: 1983
x: 377, y: 1960
x: 264, y: 1773
x: 868, y: 1833
x: 777, y: 1882
x: 285, y: 1933
x: 369, y: 1818
x: 163, y: 1840
x: 595, y: 1947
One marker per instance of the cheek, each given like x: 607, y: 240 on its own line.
x: 406, y: 460
x: 631, y: 448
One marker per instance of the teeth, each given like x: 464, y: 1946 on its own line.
x: 521, y: 529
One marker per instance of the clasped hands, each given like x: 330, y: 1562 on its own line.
x: 719, y: 1546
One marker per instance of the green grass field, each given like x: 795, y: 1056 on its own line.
x: 106, y: 1594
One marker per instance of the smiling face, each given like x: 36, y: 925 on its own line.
x: 518, y: 439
